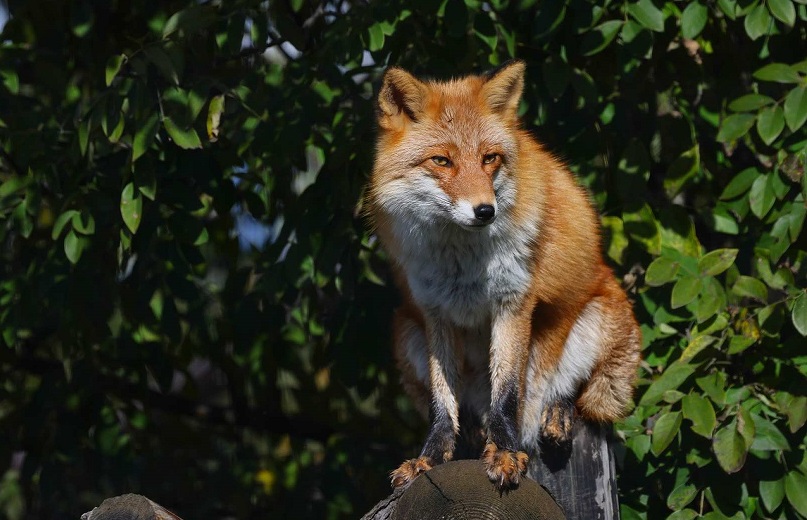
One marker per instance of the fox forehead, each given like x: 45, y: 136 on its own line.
x: 456, y: 118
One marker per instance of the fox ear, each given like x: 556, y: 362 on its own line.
x: 401, y: 95
x: 503, y: 87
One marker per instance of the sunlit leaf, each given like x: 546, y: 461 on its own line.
x: 646, y: 13
x: 700, y: 411
x: 735, y: 126
x: 796, y: 491
x: 783, y: 10
x: 795, y: 111
x: 182, y: 137
x: 730, y: 449
x: 778, y: 72
x: 717, y: 261
x: 664, y: 431
x: 770, y: 123
x: 113, y: 65
x: 131, y: 207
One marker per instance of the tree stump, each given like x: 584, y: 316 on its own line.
x: 461, y: 489
x: 129, y: 507
x: 580, y: 476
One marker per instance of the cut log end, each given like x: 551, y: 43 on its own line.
x: 579, y: 475
x: 461, y: 489
x: 129, y: 507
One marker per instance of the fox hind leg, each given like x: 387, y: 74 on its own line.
x: 607, y: 395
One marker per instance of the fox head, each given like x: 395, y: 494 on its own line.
x: 446, y: 151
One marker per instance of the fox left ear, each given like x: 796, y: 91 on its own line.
x: 401, y: 98
x: 503, y: 87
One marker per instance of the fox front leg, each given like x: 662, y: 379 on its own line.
x: 443, y: 408
x: 510, y: 337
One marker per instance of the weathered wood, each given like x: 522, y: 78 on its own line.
x: 580, y: 476
x: 129, y: 507
x: 461, y: 489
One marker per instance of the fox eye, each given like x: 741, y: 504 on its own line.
x: 439, y: 160
x: 489, y: 158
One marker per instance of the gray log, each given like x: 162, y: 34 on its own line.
x: 129, y: 507
x: 579, y: 476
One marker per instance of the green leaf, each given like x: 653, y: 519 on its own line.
x: 762, y: 196
x: 711, y: 300
x: 758, y: 22
x: 673, y: 377
x: 681, y: 496
x: 83, y: 136
x: 796, y: 108
x: 11, y: 80
x: 746, y: 424
x: 799, y: 314
x: 145, y: 136
x: 647, y: 14
x: 796, y: 491
x: 63, y: 219
x: 214, y: 111
x: 113, y: 65
x: 783, y: 10
x: 693, y: 20
x: 662, y: 270
x: 768, y: 437
x: 740, y: 183
x: 772, y: 493
x: 599, y: 37
x: 131, y: 207
x: 735, y: 126
x: 664, y: 431
x: 83, y: 222
x: 685, y: 290
x: 73, y: 246
x: 684, y: 514
x: 700, y: 411
x: 739, y: 343
x: 751, y: 288
x: 796, y: 411
x: 715, y: 386
x: 696, y: 346
x: 750, y: 103
x: 183, y: 137
x: 730, y: 449
x: 770, y: 123
x: 717, y: 261
x: 778, y: 72
x: 376, y: 37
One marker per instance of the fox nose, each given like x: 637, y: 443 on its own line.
x: 484, y: 212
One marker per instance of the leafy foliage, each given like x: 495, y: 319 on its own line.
x: 191, y: 306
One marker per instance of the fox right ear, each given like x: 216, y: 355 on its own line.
x: 401, y: 96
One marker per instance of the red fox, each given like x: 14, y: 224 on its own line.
x: 509, y: 311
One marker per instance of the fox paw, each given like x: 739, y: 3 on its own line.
x: 557, y: 421
x: 504, y: 467
x: 410, y: 469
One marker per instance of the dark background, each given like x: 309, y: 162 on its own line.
x: 192, y: 308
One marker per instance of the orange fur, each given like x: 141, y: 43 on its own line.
x: 520, y: 307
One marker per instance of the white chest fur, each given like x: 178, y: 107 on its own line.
x: 464, y: 273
